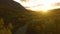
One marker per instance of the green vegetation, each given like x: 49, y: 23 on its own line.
x: 13, y: 16
x: 38, y: 23
x: 4, y: 30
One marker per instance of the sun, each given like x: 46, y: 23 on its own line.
x: 39, y: 5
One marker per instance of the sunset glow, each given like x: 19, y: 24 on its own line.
x: 40, y: 5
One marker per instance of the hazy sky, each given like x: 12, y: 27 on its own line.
x: 39, y: 4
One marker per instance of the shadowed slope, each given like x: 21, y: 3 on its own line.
x: 12, y: 12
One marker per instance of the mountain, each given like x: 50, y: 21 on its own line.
x: 11, y: 4
x: 14, y: 13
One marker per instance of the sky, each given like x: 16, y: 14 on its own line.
x: 39, y: 4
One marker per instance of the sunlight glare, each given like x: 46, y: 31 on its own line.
x: 39, y: 5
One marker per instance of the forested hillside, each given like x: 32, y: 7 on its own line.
x: 13, y: 16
